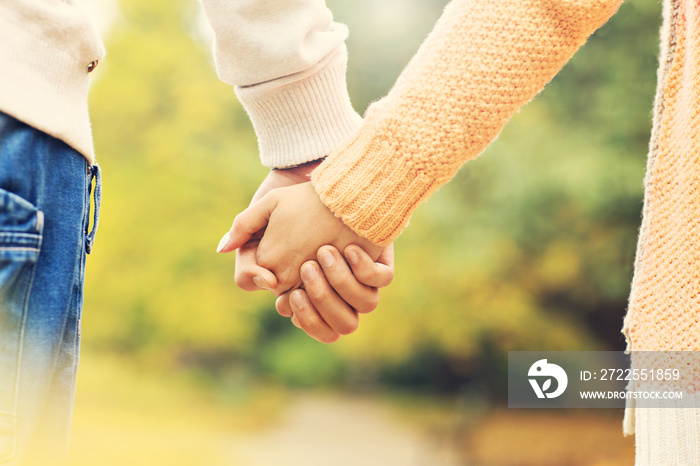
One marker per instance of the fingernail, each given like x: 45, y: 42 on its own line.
x: 224, y: 241
x: 308, y: 272
x: 296, y: 301
x: 326, y: 258
x: 352, y: 256
x: 260, y: 282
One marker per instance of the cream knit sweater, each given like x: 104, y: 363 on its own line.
x: 288, y: 69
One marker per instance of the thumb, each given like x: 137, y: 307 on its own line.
x: 248, y: 222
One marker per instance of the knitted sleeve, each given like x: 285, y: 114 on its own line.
x: 483, y: 60
x: 287, y: 62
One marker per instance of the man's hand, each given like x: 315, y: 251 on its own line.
x: 343, y: 289
x: 296, y: 224
x: 249, y: 275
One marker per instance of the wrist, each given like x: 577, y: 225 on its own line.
x: 300, y: 173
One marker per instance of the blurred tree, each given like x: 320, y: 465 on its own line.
x: 529, y: 248
x: 179, y: 162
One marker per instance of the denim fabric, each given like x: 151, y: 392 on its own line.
x: 45, y: 192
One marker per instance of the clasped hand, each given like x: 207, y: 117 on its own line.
x: 280, y: 236
x: 296, y: 224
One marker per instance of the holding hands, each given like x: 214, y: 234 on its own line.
x: 296, y: 223
x: 279, y: 239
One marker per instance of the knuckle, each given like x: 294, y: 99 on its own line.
x: 283, y: 276
x: 309, y: 322
x: 343, y: 281
x: 241, y: 279
x: 238, y: 277
x: 377, y: 277
x: 264, y: 257
x: 347, y: 326
x: 271, y: 194
x: 318, y: 293
x: 312, y: 324
x: 286, y: 281
x: 388, y: 279
x: 327, y: 337
x: 239, y: 223
x: 366, y: 275
x: 370, y: 304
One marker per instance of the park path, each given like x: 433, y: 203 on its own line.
x: 321, y: 431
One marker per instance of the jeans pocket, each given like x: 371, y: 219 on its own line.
x: 21, y: 225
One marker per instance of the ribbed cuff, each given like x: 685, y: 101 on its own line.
x: 302, y: 118
x: 670, y: 434
x: 371, y: 188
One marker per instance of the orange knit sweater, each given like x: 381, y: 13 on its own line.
x: 664, y: 312
x: 469, y: 77
x: 664, y: 305
x: 482, y: 61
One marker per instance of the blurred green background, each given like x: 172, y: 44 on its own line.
x: 530, y: 247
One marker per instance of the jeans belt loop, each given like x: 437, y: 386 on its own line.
x: 94, y: 173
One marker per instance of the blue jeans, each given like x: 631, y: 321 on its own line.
x: 45, y: 192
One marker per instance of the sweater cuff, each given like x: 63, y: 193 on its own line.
x: 302, y: 117
x: 372, y: 190
x: 667, y: 434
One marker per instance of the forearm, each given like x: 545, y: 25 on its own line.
x: 482, y: 62
x: 287, y: 61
